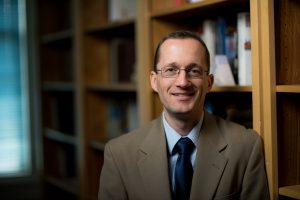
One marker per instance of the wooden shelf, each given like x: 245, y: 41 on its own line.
x: 69, y: 185
x: 60, y: 137
x: 288, y: 88
x: 192, y: 7
x: 58, y: 86
x: 114, y: 87
x: 292, y: 191
x: 98, y: 145
x: 57, y: 36
x: 231, y: 89
x: 113, y: 26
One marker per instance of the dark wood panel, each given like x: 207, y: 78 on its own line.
x: 287, y: 28
x: 288, y: 119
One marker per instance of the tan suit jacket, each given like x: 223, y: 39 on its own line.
x: 229, y: 164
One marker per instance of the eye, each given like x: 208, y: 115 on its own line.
x: 195, y: 71
x: 170, y: 69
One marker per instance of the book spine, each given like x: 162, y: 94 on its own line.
x: 244, y: 49
x: 121, y: 9
x: 209, y: 37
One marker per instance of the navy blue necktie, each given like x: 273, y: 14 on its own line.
x: 183, y: 169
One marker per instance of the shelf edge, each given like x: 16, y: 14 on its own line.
x: 98, y: 145
x: 66, y: 185
x: 231, y: 89
x: 57, y: 36
x: 114, y: 87
x: 288, y: 88
x: 292, y: 191
x: 59, y: 136
x: 185, y: 7
x: 58, y: 86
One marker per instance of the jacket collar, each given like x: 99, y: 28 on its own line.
x: 153, y: 163
x: 209, y: 165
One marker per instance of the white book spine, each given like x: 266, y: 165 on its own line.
x: 244, y: 49
x: 121, y: 9
x: 209, y: 37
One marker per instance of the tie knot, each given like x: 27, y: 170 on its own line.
x: 184, y: 146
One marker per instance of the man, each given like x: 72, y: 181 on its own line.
x: 186, y: 153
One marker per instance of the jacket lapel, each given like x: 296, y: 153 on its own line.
x: 153, y: 163
x: 210, y: 163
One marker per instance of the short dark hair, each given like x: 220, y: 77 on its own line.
x: 182, y: 34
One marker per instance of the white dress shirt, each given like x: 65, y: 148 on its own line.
x: 172, y: 138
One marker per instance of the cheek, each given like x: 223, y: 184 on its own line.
x: 163, y: 85
x: 203, y: 89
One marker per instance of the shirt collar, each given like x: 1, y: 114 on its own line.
x: 173, y: 137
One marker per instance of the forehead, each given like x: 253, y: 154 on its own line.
x: 181, y: 42
x: 182, y: 51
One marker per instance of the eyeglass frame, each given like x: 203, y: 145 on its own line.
x: 187, y: 70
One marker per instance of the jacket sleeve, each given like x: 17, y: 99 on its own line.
x: 111, y: 186
x: 255, y: 184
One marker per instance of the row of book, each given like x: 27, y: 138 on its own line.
x: 230, y: 49
x: 60, y: 113
x: 122, y: 60
x: 122, y: 117
x: 122, y: 9
x: 240, y: 113
x: 229, y: 45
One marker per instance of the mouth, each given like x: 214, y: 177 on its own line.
x: 183, y: 95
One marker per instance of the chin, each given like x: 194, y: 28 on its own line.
x: 181, y: 112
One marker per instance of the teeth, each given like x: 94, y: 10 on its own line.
x: 182, y: 94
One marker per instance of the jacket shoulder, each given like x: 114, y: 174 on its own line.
x: 234, y: 133
x: 234, y: 128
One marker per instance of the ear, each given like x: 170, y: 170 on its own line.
x: 153, y: 80
x: 210, y: 80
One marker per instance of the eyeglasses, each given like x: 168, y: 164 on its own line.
x: 173, y: 72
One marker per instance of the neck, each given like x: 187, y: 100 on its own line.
x: 182, y: 124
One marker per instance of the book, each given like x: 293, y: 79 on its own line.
x: 221, y: 41
x: 114, y: 120
x: 242, y: 116
x: 122, y: 117
x: 244, y: 49
x: 122, y: 60
x: 178, y: 2
x: 220, y: 36
x: 208, y: 35
x: 231, y: 50
x: 193, y: 1
x: 132, y: 116
x: 222, y: 72
x: 121, y: 9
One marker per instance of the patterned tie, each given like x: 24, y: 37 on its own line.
x: 183, y: 169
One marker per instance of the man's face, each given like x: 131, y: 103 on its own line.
x: 182, y: 95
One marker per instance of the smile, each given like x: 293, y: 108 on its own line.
x: 183, y: 94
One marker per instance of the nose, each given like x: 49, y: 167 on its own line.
x: 182, y: 79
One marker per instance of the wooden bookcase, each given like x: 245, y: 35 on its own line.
x: 274, y: 94
x: 94, y: 77
x: 276, y: 31
x: 58, y: 93
x: 108, y: 82
x: 287, y: 32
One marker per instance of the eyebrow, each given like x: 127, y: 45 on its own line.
x: 171, y: 64
x: 189, y: 66
x: 192, y: 65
